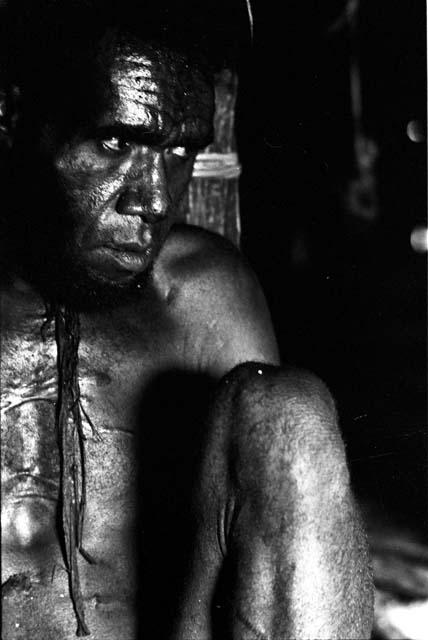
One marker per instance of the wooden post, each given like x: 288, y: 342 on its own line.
x: 212, y: 201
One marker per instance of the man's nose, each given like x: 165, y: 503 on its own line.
x: 145, y: 192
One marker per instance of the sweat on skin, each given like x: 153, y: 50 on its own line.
x: 205, y: 462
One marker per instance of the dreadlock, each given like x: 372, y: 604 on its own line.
x: 72, y: 454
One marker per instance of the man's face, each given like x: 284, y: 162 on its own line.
x: 116, y: 180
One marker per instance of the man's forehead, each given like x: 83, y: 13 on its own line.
x: 158, y: 90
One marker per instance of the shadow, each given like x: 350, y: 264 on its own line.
x: 171, y: 418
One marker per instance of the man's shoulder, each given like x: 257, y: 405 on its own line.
x: 215, y: 293
x: 194, y: 256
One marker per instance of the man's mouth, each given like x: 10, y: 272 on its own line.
x: 130, y: 247
x: 114, y: 258
x: 129, y: 256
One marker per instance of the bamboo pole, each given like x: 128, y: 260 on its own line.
x: 212, y: 201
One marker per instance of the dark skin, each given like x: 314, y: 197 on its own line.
x: 206, y: 513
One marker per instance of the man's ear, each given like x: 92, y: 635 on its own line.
x: 3, y: 126
x: 9, y: 108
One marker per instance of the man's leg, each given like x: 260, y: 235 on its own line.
x: 274, y: 504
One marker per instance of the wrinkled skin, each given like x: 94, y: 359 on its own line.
x: 116, y: 177
x: 204, y: 520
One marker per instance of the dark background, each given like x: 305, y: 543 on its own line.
x: 347, y: 294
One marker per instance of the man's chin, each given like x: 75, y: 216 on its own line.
x: 88, y: 290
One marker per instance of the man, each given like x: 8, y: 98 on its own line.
x: 134, y: 505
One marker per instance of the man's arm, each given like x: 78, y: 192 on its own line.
x: 225, y: 307
x: 280, y: 551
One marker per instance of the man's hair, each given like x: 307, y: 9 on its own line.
x: 41, y: 41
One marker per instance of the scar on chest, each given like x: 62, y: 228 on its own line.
x: 102, y: 378
x: 171, y: 294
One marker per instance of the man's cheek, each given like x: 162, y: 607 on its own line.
x: 87, y: 198
x: 88, y: 185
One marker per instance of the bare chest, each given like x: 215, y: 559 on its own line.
x: 113, y: 377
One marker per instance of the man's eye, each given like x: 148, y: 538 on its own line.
x: 180, y: 152
x: 116, y: 145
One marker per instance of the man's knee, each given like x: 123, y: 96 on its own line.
x: 287, y: 509
x: 282, y: 435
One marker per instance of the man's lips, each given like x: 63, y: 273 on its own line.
x: 128, y: 256
x: 127, y: 247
